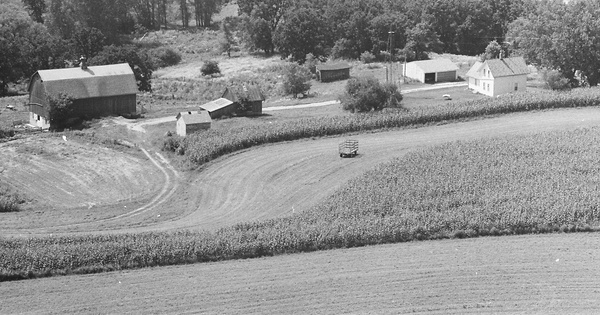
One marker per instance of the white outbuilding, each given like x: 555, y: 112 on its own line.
x: 432, y: 71
x: 190, y: 122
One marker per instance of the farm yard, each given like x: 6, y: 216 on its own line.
x: 454, y: 203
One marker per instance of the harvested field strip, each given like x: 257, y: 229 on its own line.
x: 534, y: 274
x: 202, y: 147
x: 436, y: 205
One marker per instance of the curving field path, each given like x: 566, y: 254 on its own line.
x: 535, y: 274
x: 280, y: 179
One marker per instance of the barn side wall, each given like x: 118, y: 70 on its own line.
x: 104, y: 106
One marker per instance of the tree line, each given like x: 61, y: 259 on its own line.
x: 42, y: 34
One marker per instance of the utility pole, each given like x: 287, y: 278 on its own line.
x: 391, y: 48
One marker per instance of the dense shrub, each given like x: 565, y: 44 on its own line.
x: 210, y: 67
x: 164, y: 57
x: 555, y: 80
x: 367, y: 57
x: 367, y: 94
x: 6, y: 133
x: 10, y: 201
x: 60, y: 109
x: 296, y: 80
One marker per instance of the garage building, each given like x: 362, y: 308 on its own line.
x: 432, y: 71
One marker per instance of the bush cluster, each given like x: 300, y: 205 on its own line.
x: 210, y: 67
x: 164, y: 57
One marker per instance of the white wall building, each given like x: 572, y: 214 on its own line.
x: 495, y: 77
x: 432, y: 71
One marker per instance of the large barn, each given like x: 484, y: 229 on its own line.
x: 432, y: 71
x: 96, y: 91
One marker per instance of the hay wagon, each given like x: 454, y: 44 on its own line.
x: 348, y: 148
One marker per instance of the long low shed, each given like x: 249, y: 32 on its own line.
x: 333, y: 72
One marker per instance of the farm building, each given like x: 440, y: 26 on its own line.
x: 219, y: 108
x: 190, y: 122
x: 254, y: 97
x: 494, y: 77
x: 333, y: 72
x: 96, y: 91
x: 432, y: 71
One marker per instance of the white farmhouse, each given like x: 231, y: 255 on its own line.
x: 494, y: 77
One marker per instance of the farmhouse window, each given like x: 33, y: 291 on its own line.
x: 516, y: 86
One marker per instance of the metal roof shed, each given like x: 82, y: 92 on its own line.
x: 219, y: 107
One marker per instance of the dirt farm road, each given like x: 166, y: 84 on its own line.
x: 276, y: 180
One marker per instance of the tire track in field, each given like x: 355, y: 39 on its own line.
x: 169, y: 187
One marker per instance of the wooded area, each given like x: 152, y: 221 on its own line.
x: 42, y: 34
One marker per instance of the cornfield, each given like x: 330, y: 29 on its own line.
x: 514, y: 185
x: 202, y: 147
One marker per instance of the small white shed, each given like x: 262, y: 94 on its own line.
x: 190, y: 122
x: 432, y: 71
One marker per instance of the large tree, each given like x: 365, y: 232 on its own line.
x: 563, y: 37
x: 302, y: 31
x: 25, y: 46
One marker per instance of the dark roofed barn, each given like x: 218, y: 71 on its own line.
x: 333, y: 72
x: 254, y: 95
x: 96, y: 91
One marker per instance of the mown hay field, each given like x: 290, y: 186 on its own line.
x: 515, y: 185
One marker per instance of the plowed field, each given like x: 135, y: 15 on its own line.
x: 539, y: 274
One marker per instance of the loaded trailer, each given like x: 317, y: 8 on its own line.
x: 348, y: 148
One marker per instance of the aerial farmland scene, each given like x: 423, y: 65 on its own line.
x: 299, y: 157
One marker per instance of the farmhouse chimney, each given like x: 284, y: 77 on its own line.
x: 83, y: 63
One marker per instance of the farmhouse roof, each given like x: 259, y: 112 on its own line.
x: 191, y: 118
x: 216, y: 104
x: 436, y: 65
x: 333, y: 66
x: 501, y: 67
x: 95, y: 81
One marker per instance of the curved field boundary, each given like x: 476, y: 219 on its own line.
x: 535, y: 274
x: 280, y: 179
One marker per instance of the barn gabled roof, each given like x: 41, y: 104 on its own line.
x: 195, y: 117
x: 216, y: 104
x: 436, y: 65
x: 95, y: 81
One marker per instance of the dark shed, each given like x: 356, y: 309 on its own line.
x: 96, y: 90
x: 333, y: 72
x: 254, y: 96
